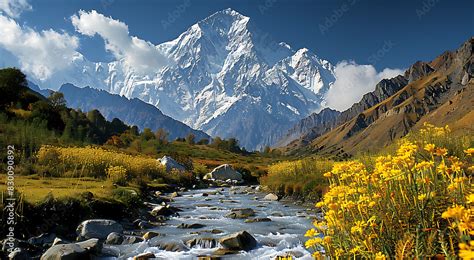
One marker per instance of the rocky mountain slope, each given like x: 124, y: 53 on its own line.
x: 130, y: 111
x: 438, y: 92
x: 226, y: 77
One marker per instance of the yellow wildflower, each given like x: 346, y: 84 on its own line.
x: 313, y: 242
x: 380, y: 256
x: 430, y: 148
x: 469, y: 151
x: 441, y: 151
x: 311, y: 233
x: 466, y: 251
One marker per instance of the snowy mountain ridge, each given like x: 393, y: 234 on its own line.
x: 225, y: 78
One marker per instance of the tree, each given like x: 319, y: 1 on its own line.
x: 190, y: 138
x: 12, y: 84
x: 147, y: 134
x: 57, y: 100
x: 162, y: 136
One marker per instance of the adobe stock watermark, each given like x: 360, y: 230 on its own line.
x: 331, y: 20
x: 266, y: 5
x: 174, y: 15
x: 10, y: 200
x: 381, y: 52
x: 426, y: 7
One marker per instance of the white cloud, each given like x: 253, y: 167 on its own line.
x: 39, y: 53
x: 353, y: 81
x: 14, y: 8
x: 140, y: 55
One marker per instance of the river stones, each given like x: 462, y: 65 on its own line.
x: 173, y: 247
x: 164, y: 211
x: 241, y: 213
x: 144, y: 256
x: 202, y: 242
x: 150, y: 234
x: 239, y: 241
x: 213, y: 231
x: 120, y: 239
x: 66, y: 251
x: 42, y: 239
x: 97, y: 228
x: 271, y: 197
x: 73, y: 251
x: 252, y: 220
x: 190, y: 226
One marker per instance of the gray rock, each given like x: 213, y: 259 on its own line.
x: 164, y: 211
x: 239, y: 241
x: 190, y: 226
x: 114, y: 238
x: 171, y: 164
x: 150, y: 234
x: 91, y: 245
x: 66, y: 252
x: 224, y: 172
x: 42, y: 239
x: 272, y: 197
x: 241, y: 213
x: 97, y: 228
x: 252, y: 220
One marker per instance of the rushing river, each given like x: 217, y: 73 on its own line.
x: 283, y: 234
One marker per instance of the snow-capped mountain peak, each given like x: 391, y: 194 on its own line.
x: 227, y: 78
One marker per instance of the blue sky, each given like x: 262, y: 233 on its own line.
x: 382, y: 33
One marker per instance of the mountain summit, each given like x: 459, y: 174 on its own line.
x: 226, y: 78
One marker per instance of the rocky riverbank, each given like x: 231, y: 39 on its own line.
x: 172, y: 221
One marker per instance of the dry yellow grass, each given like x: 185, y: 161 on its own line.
x: 35, y: 188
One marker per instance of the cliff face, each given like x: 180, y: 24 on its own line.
x: 439, y: 92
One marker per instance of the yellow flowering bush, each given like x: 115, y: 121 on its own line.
x: 416, y: 203
x: 298, y: 178
x: 118, y: 174
x: 96, y: 162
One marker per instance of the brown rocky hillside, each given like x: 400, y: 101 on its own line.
x: 439, y: 92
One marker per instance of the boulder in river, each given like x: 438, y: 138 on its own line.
x: 241, y: 213
x: 252, y: 220
x: 271, y: 197
x: 239, y: 241
x: 224, y: 172
x: 171, y: 164
x: 97, y: 228
x: 66, y: 251
x: 150, y: 234
x: 164, y: 211
x: 191, y: 226
x: 73, y: 251
x: 120, y: 239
